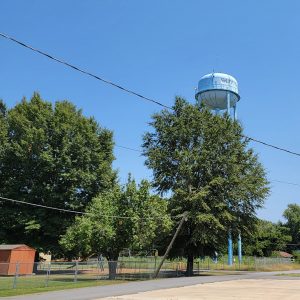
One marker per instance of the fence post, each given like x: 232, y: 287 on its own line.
x: 48, y: 274
x: 76, y: 271
x: 98, y: 269
x: 16, y: 275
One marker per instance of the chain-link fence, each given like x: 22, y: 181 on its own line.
x: 22, y: 275
x: 248, y: 263
x: 54, y: 274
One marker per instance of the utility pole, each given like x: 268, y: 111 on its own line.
x: 171, y: 244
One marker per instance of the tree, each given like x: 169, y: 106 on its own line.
x: 292, y: 215
x: 52, y: 155
x: 3, y: 129
x: 204, y: 161
x: 267, y: 238
x: 123, y: 217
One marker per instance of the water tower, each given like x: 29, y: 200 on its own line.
x: 219, y: 92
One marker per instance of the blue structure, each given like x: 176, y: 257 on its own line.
x: 240, y: 248
x: 219, y: 92
x: 230, y: 251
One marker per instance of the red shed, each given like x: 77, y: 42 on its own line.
x: 12, y: 256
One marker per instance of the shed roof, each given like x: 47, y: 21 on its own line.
x: 13, y: 247
x: 285, y: 254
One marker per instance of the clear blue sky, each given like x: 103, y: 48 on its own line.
x: 161, y: 49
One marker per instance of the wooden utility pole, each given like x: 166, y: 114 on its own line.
x: 170, y: 245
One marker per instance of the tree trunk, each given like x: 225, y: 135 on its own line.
x: 36, y: 262
x: 112, y: 267
x: 190, y: 265
x: 112, y: 270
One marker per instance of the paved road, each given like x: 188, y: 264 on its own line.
x: 91, y: 293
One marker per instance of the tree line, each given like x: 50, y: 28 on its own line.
x: 51, y: 154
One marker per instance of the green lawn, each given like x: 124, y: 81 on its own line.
x: 29, y: 285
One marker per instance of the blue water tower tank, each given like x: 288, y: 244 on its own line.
x: 218, y: 91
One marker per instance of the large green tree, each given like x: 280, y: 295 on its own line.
x: 123, y: 217
x: 204, y: 161
x: 267, y: 238
x: 51, y: 155
x: 292, y: 216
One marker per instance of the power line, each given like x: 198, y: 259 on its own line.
x: 83, y: 71
x: 71, y: 211
x: 272, y: 146
x: 43, y: 206
x: 285, y: 182
x: 122, y: 88
x: 128, y: 148
x: 246, y: 137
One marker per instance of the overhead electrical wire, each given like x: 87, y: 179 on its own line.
x: 43, y: 206
x: 285, y: 182
x: 72, y: 211
x: 82, y: 71
x: 128, y: 148
x: 87, y: 213
x: 272, y: 146
x: 279, y: 181
x: 122, y: 88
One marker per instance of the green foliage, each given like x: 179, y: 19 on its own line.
x: 292, y: 215
x: 266, y: 238
x: 3, y: 128
x: 50, y: 155
x: 144, y: 218
x: 205, y: 162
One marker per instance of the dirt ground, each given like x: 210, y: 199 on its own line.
x: 258, y: 289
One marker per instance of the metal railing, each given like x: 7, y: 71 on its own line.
x: 29, y: 275
x: 45, y: 274
x: 249, y: 263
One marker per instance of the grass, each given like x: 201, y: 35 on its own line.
x: 279, y: 267
x: 248, y: 264
x: 218, y: 273
x: 289, y: 275
x: 29, y: 285
x: 258, y: 268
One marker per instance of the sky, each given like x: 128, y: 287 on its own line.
x: 161, y: 48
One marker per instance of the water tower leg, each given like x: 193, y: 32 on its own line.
x: 199, y: 102
x: 228, y: 103
x: 230, y: 258
x: 235, y: 112
x: 240, y: 248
